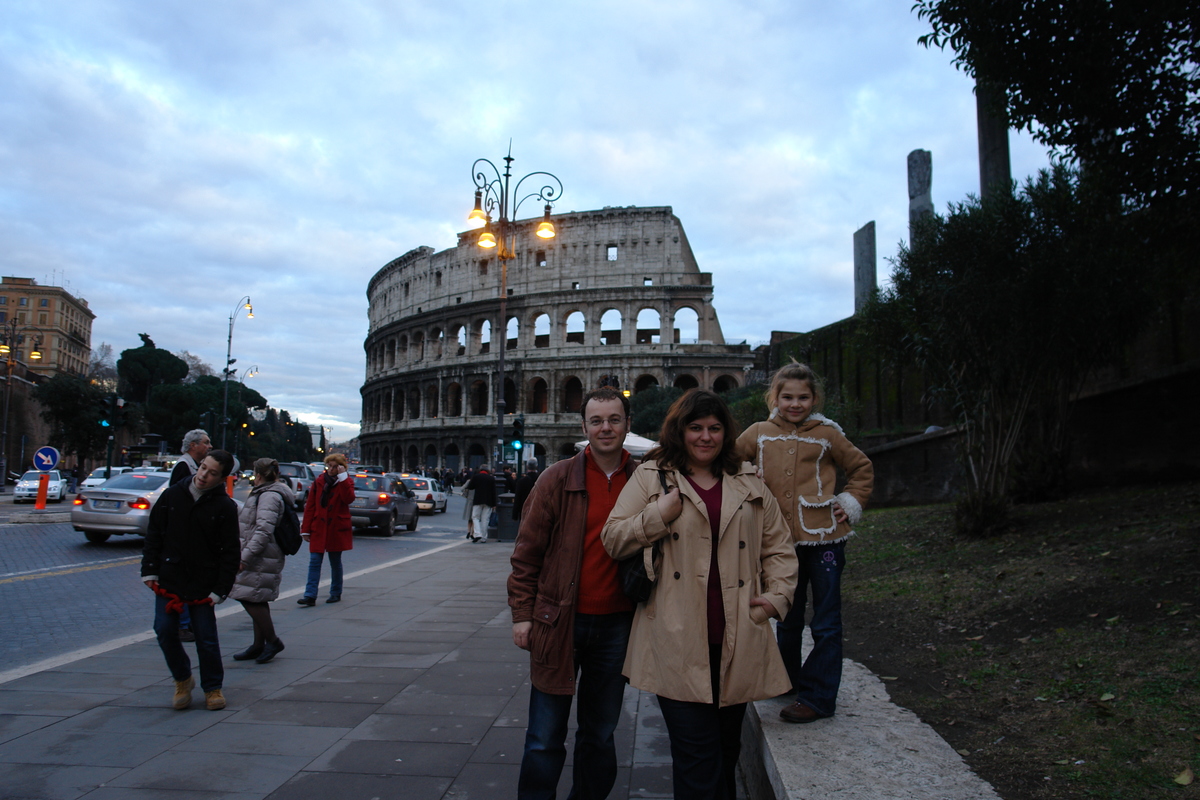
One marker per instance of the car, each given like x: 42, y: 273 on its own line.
x: 27, y: 486
x: 430, y: 496
x: 383, y: 503
x: 100, y: 475
x: 300, y: 477
x: 120, y: 507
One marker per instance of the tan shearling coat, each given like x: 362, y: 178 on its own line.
x: 668, y: 645
x: 799, y: 463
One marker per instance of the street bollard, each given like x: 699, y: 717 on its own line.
x: 43, y: 486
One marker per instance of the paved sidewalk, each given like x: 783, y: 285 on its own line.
x: 409, y: 688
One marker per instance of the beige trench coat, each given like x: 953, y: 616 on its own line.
x: 668, y: 646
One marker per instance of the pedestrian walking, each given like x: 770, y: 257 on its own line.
x: 196, y: 445
x: 262, y: 559
x: 327, y: 527
x: 798, y: 452
x: 483, y: 501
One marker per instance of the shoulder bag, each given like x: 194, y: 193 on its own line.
x: 637, y: 573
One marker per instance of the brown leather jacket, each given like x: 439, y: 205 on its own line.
x: 543, y: 586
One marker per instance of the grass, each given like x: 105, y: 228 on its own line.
x: 1061, y: 657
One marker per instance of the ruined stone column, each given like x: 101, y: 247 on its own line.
x: 995, y: 168
x: 864, y: 266
x: 920, y: 179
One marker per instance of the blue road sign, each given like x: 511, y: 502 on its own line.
x: 46, y: 458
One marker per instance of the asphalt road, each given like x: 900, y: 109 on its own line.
x: 59, y: 593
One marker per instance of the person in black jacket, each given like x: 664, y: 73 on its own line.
x: 190, y: 559
x: 524, y: 487
x: 483, y: 501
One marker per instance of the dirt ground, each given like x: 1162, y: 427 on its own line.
x: 1061, y: 657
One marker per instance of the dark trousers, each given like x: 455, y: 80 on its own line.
x: 817, y: 678
x: 208, y: 649
x: 706, y: 741
x: 600, y: 642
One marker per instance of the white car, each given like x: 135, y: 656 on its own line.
x: 27, y: 487
x: 430, y: 497
x: 98, y: 476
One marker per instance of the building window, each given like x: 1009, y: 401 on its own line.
x: 437, y: 276
x: 483, y: 264
x: 3, y: 317
x: 647, y: 281
x: 44, y: 302
x: 24, y: 301
x: 612, y: 252
x: 574, y: 284
x: 3, y: 301
x: 540, y: 258
x: 42, y: 318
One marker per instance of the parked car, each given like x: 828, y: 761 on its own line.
x: 300, y: 477
x: 121, y: 506
x: 100, y: 475
x: 430, y: 495
x: 27, y: 486
x: 382, y: 503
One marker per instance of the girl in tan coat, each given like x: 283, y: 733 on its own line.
x: 702, y: 642
x: 798, y: 453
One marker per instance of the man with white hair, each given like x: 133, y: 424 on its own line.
x: 196, y: 445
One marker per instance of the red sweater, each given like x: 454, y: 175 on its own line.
x: 599, y: 590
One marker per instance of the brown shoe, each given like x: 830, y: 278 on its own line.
x: 183, y: 693
x: 214, y: 700
x: 798, y: 712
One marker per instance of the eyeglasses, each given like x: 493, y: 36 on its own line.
x: 613, y: 422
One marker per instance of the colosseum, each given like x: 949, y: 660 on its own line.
x: 616, y: 298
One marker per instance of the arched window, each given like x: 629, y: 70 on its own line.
x: 512, y: 332
x: 431, y: 401
x: 485, y: 336
x: 414, y: 403
x: 510, y: 396
x: 576, y: 327
x: 402, y: 351
x: 389, y: 354
x: 644, y: 382
x: 566, y: 451
x: 460, y: 336
x: 724, y: 383
x: 452, y: 459
x: 539, y: 397
x: 418, y: 346
x: 648, y: 326
x: 541, y: 330
x: 431, y: 459
x: 686, y: 382
x: 395, y: 458
x: 610, y: 327
x: 572, y: 394
x: 687, y: 326
x: 437, y: 342
x: 412, y: 461
x: 479, y: 397
x: 454, y: 400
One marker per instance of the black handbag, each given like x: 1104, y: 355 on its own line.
x: 637, y: 573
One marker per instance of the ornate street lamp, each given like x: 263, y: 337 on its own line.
x: 229, y: 361
x: 496, y: 208
x: 10, y: 339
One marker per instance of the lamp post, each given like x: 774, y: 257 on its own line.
x: 233, y: 315
x: 250, y: 373
x: 494, y: 198
x: 10, y: 340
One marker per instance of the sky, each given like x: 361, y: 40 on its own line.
x: 162, y: 160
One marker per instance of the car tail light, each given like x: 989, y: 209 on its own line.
x: 141, y: 504
x: 429, y: 498
x: 384, y: 497
x: 79, y: 500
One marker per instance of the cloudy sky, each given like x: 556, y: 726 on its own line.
x: 163, y: 159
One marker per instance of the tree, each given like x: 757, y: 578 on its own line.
x: 1008, y: 304
x: 649, y: 408
x: 73, y: 407
x: 1111, y: 84
x: 197, y: 367
x: 102, y: 369
x: 145, y: 367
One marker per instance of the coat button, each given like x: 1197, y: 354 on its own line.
x: 674, y: 535
x: 787, y: 494
x: 792, y: 451
x: 741, y: 584
x: 741, y: 545
x: 789, y: 472
x: 545, y: 616
x: 676, y: 576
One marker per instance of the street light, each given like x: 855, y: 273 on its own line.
x: 493, y: 198
x: 233, y: 315
x: 10, y: 340
x: 250, y: 373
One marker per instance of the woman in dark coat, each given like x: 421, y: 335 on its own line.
x: 257, y: 582
x: 326, y: 527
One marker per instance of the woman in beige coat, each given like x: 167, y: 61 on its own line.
x: 702, y: 642
x: 261, y: 569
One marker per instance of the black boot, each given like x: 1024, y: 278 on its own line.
x: 253, y: 651
x: 270, y: 650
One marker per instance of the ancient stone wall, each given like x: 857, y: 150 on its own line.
x: 616, y: 297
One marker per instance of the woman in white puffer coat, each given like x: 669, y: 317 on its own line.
x: 257, y: 582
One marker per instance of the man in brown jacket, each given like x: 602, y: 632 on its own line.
x: 568, y: 609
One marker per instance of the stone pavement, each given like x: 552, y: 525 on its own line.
x: 409, y: 688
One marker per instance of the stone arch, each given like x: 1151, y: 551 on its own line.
x: 414, y: 403
x: 576, y: 326
x: 566, y: 450
x: 476, y: 455
x: 418, y: 347
x: 510, y: 395
x: 460, y: 339
x: 451, y: 457
x: 479, y: 397
x: 644, y: 382
x: 686, y: 326
x: 572, y: 394
x: 725, y: 383
x: 512, y: 333
x: 541, y: 330
x: 539, y: 397
x: 437, y: 342
x: 401, y: 351
x: 686, y: 381
x: 649, y: 326
x: 413, y: 459
x: 396, y: 458
x: 454, y: 400
x: 389, y: 354
x: 431, y: 401
x: 610, y: 327
x: 484, y: 326
x: 431, y: 456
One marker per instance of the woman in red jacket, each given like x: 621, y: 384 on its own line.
x: 327, y: 527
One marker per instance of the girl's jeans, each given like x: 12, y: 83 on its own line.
x: 817, y: 678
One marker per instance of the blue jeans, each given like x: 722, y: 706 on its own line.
x: 817, y: 679
x: 208, y: 649
x: 314, y: 574
x: 600, y: 642
x: 706, y: 741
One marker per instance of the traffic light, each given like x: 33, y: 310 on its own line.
x: 518, y: 433
x: 106, y: 411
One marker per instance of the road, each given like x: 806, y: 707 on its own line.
x: 59, y: 593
